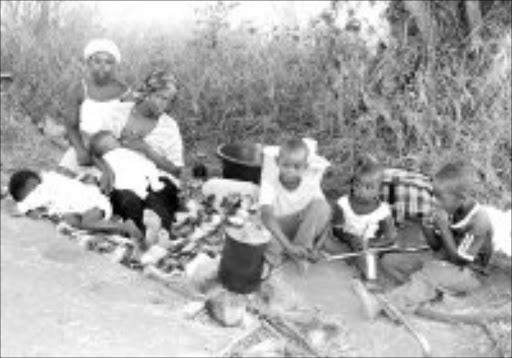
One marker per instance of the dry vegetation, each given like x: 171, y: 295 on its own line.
x: 440, y: 89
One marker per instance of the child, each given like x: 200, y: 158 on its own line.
x: 464, y: 233
x: 293, y: 206
x: 361, y: 218
x: 137, y: 183
x: 79, y: 205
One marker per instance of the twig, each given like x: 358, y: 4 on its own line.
x: 467, y: 318
x: 226, y: 351
x: 375, y: 250
x: 280, y: 326
x: 425, y: 346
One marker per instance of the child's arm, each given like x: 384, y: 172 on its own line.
x: 338, y: 219
x: 479, y: 233
x: 73, y: 126
x: 108, y: 177
x: 442, y: 223
x: 160, y: 161
x: 269, y: 220
x: 35, y: 203
x: 93, y: 220
x: 388, y: 230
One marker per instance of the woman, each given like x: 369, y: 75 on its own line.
x: 97, y: 105
x: 151, y: 131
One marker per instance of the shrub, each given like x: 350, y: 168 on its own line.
x: 414, y: 103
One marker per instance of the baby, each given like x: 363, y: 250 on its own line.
x: 138, y: 185
x: 132, y: 170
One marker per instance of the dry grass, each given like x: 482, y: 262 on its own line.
x: 21, y: 144
x: 315, y: 82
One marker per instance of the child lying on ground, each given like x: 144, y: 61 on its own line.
x: 293, y: 206
x: 361, y: 219
x: 464, y: 235
x: 79, y: 205
x: 137, y: 182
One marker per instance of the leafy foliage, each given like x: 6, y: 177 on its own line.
x: 415, y: 103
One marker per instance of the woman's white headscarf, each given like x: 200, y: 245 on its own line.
x: 102, y: 45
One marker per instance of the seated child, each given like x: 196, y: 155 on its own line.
x: 79, y: 205
x: 137, y: 182
x: 293, y: 206
x: 361, y: 219
x: 464, y: 233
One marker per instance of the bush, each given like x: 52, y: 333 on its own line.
x: 411, y: 104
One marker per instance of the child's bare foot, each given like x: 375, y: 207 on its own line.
x: 4, y: 192
x: 302, y: 264
x: 119, y: 254
x: 370, y: 304
x: 153, y: 225
x: 314, y: 255
x: 164, y: 239
x: 151, y: 220
x: 132, y: 230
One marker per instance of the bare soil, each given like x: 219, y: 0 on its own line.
x: 59, y: 300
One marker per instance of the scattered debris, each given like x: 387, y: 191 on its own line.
x: 227, y: 308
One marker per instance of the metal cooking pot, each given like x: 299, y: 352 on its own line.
x: 241, y: 161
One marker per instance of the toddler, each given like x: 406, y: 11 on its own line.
x: 361, y: 219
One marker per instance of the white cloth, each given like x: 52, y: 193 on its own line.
x: 133, y: 171
x: 108, y: 115
x: 102, y: 45
x: 96, y: 116
x: 363, y: 226
x: 283, y: 201
x: 62, y: 195
x: 501, y: 222
x: 166, y: 140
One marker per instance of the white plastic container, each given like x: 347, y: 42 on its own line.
x: 371, y: 266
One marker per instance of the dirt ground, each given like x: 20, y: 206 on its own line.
x: 59, y: 300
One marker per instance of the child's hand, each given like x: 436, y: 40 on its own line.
x: 84, y: 158
x: 297, y: 251
x: 107, y: 182
x: 137, y: 144
x: 130, y: 229
x: 381, y: 243
x: 441, y: 219
x: 89, y: 179
x: 36, y: 213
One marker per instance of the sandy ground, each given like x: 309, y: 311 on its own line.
x: 59, y: 300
